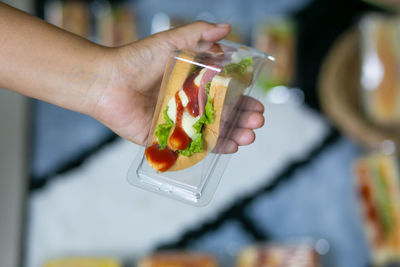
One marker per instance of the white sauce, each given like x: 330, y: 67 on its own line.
x: 197, y: 80
x: 172, y: 109
x: 183, y: 97
x: 187, y: 124
x: 187, y: 120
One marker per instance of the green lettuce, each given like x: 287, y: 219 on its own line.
x: 383, y: 199
x: 195, y: 146
x: 194, y: 69
x: 162, y: 130
x: 167, y: 119
x: 208, y: 116
x: 209, y: 110
x: 238, y: 67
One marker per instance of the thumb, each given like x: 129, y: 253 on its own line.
x: 189, y: 36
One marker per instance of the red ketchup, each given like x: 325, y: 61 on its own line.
x: 179, y: 139
x: 161, y: 159
x: 192, y: 93
x: 370, y: 211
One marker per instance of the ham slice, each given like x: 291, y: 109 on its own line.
x: 208, y: 75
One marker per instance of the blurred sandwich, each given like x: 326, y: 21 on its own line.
x: 277, y: 37
x: 274, y: 255
x: 380, y: 68
x: 73, y: 16
x: 178, y: 259
x: 82, y: 262
x: 378, y: 192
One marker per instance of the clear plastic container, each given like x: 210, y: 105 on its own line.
x: 206, y: 86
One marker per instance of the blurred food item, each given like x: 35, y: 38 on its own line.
x: 380, y: 79
x: 277, y: 37
x: 178, y: 259
x: 116, y: 24
x: 278, y: 255
x: 340, y: 94
x: 377, y: 180
x: 83, y: 262
x: 72, y: 15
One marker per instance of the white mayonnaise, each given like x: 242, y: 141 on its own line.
x: 187, y: 120
x: 197, y: 80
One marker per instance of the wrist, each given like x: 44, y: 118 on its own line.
x: 103, y: 69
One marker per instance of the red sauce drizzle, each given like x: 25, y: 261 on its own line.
x: 179, y: 110
x: 163, y: 159
x: 370, y: 211
x: 262, y: 257
x: 192, y: 92
x: 179, y: 139
x: 160, y: 159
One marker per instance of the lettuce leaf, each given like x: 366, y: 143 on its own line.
x: 382, y: 198
x: 194, y: 69
x: 209, y: 110
x: 208, y: 87
x: 195, y: 146
x: 199, y: 124
x: 208, y: 116
x: 167, y: 119
x: 238, y: 67
x: 162, y: 130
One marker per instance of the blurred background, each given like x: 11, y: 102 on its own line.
x: 319, y: 187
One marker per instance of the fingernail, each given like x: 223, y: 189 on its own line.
x: 223, y: 25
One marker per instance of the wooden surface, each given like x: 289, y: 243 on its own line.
x: 339, y: 94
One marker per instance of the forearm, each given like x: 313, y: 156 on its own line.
x: 42, y: 61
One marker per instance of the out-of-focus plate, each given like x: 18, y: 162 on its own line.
x: 339, y: 94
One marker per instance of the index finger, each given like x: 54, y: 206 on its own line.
x: 251, y: 104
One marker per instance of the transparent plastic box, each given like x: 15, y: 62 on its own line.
x: 201, y: 95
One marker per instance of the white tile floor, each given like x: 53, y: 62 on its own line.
x: 94, y: 211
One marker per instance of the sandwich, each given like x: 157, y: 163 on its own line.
x: 278, y: 255
x: 199, y: 90
x: 178, y: 259
x: 379, y: 70
x: 82, y: 262
x: 377, y: 180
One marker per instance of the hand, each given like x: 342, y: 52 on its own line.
x: 125, y: 102
x: 117, y: 86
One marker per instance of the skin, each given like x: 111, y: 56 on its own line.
x: 117, y: 86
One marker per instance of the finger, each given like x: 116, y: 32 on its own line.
x: 250, y: 120
x: 225, y: 146
x: 189, y: 36
x: 242, y: 136
x: 217, y: 33
x: 251, y: 104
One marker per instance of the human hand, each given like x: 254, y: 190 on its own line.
x: 126, y: 100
